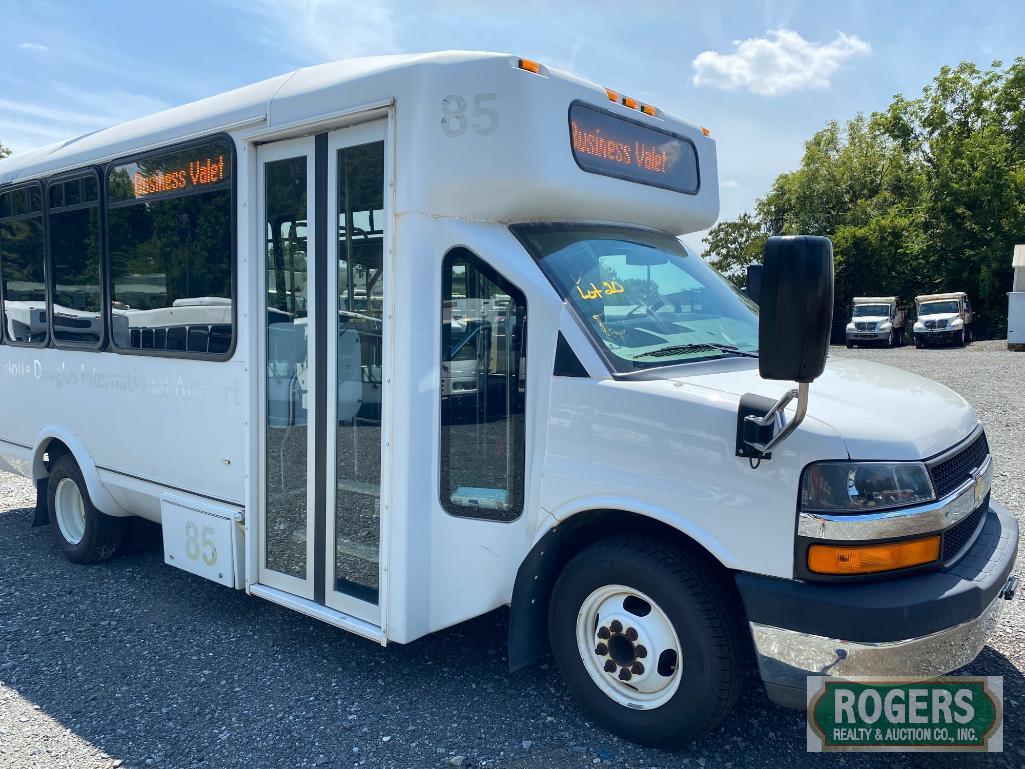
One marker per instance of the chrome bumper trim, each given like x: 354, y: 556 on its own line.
x: 787, y: 657
x: 905, y: 521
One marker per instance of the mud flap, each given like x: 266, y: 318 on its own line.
x: 41, y: 516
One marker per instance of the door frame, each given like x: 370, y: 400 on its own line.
x: 338, y: 608
x: 351, y: 136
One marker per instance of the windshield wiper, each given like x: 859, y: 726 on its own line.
x: 673, y: 349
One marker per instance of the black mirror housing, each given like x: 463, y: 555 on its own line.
x: 753, y: 286
x: 795, y: 308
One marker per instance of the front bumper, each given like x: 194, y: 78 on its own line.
x: 923, y: 625
x: 868, y: 336
x: 938, y: 336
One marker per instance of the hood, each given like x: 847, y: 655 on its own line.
x: 870, y: 319
x: 881, y: 412
x: 947, y: 316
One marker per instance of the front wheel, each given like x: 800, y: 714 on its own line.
x: 648, y: 640
x: 84, y: 533
x: 890, y: 340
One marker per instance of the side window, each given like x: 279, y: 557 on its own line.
x: 483, y: 380
x: 74, y: 221
x: 172, y: 252
x: 21, y: 266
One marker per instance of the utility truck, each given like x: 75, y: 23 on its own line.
x: 876, y: 319
x: 943, y: 319
x: 394, y: 342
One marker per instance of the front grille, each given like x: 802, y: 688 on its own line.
x: 961, y: 533
x: 935, y: 324
x: 952, y: 472
x: 865, y: 326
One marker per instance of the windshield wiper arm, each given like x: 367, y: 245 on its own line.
x: 673, y: 349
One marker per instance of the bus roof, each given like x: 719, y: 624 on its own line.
x: 525, y: 170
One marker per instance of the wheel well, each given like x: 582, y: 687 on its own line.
x: 53, y: 450
x: 528, y: 617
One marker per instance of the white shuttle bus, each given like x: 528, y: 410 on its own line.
x: 397, y: 341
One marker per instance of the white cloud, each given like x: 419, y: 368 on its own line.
x: 32, y: 47
x: 315, y: 31
x: 780, y: 62
x: 729, y: 184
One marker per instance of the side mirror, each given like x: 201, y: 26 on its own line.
x: 795, y: 316
x: 796, y: 308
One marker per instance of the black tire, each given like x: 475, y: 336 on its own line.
x: 103, y: 533
x: 704, y: 613
x: 849, y: 345
x: 891, y: 341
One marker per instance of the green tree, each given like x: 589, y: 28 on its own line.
x: 731, y: 245
x: 926, y: 195
x: 4, y: 151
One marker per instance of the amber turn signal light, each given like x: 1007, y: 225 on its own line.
x: 869, y: 559
x: 530, y: 66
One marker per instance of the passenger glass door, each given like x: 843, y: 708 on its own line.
x: 286, y: 189
x: 356, y: 354
x: 324, y: 216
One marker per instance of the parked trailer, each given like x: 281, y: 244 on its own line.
x: 394, y: 342
x: 876, y: 319
x: 943, y: 319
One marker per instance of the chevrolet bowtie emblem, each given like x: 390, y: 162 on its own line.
x: 980, y: 486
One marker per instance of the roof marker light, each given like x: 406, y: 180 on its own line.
x: 647, y: 109
x: 705, y: 131
x: 530, y: 66
x: 631, y: 103
x: 613, y: 95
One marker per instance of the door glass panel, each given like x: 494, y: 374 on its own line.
x: 287, y: 367
x: 360, y: 370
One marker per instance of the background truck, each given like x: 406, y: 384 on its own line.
x: 876, y: 319
x: 943, y: 318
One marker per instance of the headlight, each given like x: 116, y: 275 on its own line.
x: 885, y: 326
x: 956, y: 323
x: 850, y: 326
x: 919, y: 326
x: 856, y: 487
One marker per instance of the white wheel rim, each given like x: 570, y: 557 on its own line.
x: 70, y: 508
x: 629, y: 647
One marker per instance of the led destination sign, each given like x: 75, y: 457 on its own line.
x: 180, y: 171
x: 610, y: 145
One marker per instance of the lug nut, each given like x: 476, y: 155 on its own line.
x: 603, y: 633
x: 637, y: 669
x: 616, y: 626
x: 601, y: 650
x: 631, y: 634
x: 640, y: 652
x: 609, y: 666
x: 625, y: 675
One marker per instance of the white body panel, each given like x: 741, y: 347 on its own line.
x: 1016, y: 317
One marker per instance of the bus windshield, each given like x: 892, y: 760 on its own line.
x: 938, y: 308
x: 643, y: 298
x: 871, y: 310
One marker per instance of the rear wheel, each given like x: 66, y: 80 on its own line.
x: 648, y: 640
x: 84, y: 533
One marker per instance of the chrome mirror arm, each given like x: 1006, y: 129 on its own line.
x: 776, y: 412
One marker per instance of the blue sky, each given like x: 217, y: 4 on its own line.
x: 763, y: 76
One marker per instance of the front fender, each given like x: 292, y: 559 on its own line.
x: 688, y: 526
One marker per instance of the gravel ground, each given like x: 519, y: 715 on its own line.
x: 135, y: 664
